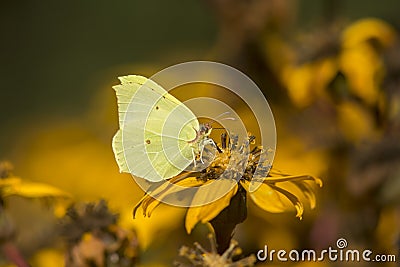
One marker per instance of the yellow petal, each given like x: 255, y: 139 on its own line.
x: 299, y: 84
x: 354, y: 121
x: 308, y: 192
x: 279, y: 53
x: 363, y: 69
x: 150, y: 201
x: 296, y: 184
x: 278, y: 177
x: 34, y: 190
x: 307, y: 81
x: 9, y: 181
x: 293, y: 199
x: 266, y: 198
x: 49, y: 257
x: 367, y: 29
x: 209, y: 211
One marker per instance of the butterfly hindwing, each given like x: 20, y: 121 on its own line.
x: 155, y: 129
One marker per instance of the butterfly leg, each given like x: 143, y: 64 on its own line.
x: 202, y: 145
x: 201, y: 153
x: 194, y: 157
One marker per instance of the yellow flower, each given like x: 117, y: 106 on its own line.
x: 360, y: 57
x: 354, y: 122
x: 368, y: 29
x: 308, y: 81
x: 11, y: 185
x: 12, y: 232
x: 49, y: 257
x: 357, y: 55
x: 363, y: 68
x: 277, y: 192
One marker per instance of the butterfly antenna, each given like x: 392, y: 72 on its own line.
x: 210, y: 122
x: 223, y: 114
x: 227, y: 118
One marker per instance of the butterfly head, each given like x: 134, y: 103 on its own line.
x: 205, y: 129
x: 203, y: 132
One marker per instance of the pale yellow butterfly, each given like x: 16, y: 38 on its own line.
x: 159, y: 136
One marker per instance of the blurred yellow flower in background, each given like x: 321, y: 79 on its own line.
x: 355, y: 122
x: 18, y: 199
x: 49, y: 257
x: 367, y: 30
x: 11, y: 185
x: 357, y: 56
x: 309, y: 81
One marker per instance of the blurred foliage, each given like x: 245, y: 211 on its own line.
x: 95, y: 239
x: 329, y: 69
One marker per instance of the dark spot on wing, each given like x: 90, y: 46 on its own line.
x: 157, y: 108
x: 148, y: 141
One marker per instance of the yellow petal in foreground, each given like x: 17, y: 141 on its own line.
x: 177, y: 184
x: 293, y: 199
x: 267, y: 198
x: 209, y: 211
x: 308, y: 192
x: 302, y: 186
x: 277, y: 176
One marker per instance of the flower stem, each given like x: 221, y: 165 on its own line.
x: 13, y: 254
x: 225, y: 222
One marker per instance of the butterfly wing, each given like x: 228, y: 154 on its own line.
x: 154, y: 132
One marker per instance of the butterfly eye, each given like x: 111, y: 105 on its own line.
x: 207, y: 127
x: 203, y: 128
